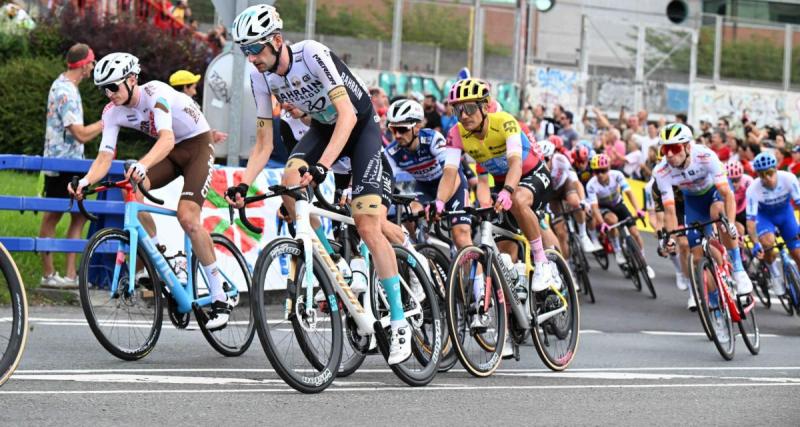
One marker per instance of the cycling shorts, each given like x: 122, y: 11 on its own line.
x: 783, y: 221
x: 619, y: 209
x: 193, y: 159
x: 427, y: 194
x: 537, y: 181
x: 698, y: 209
x: 364, y: 149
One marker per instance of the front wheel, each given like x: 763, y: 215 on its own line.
x: 235, y: 338
x: 580, y: 266
x: 125, y: 319
x: 640, y: 267
x: 439, y: 263
x: 713, y: 306
x: 556, y: 319
x: 748, y: 325
x: 14, y: 312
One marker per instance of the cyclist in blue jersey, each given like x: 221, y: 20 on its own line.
x: 768, y: 208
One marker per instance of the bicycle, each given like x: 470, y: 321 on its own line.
x: 551, y: 316
x: 300, y: 327
x: 790, y: 300
x: 711, y: 283
x: 577, y: 258
x: 757, y: 271
x: 124, y: 276
x: 635, y: 267
x: 14, y: 315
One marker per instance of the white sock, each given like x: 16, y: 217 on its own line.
x: 478, y: 286
x: 775, y: 269
x: 676, y: 262
x: 397, y: 324
x: 615, y: 244
x: 154, y: 239
x: 214, y: 282
x: 582, y: 228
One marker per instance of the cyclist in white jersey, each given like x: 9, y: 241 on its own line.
x: 565, y: 186
x: 768, y: 209
x: 698, y: 173
x: 184, y: 147
x: 313, y: 79
x: 605, y: 191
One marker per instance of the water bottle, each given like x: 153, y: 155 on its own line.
x: 344, y: 268
x: 179, y: 266
x: 359, y: 273
x: 522, y: 282
x: 508, y: 269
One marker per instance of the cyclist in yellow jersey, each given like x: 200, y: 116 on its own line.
x: 496, y: 143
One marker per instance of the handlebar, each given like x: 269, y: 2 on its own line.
x: 125, y: 184
x: 275, y: 190
x: 694, y: 226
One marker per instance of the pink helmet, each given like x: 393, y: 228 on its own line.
x: 557, y: 141
x: 600, y: 161
x: 580, y: 153
x: 735, y: 169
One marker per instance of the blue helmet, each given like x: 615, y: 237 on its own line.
x: 764, y: 161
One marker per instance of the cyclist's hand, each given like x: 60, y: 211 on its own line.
x: 503, y: 201
x: 640, y: 214
x: 434, y: 210
x: 315, y: 173
x: 137, y: 172
x: 757, y: 249
x: 733, y: 232
x: 235, y: 195
x: 346, y: 197
x: 604, y: 228
x: 77, y: 193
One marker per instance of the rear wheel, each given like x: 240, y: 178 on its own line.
x: 640, y: 267
x: 439, y: 264
x: 580, y: 267
x: 792, y: 296
x: 714, y: 307
x: 13, y: 316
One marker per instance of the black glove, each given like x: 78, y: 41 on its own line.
x: 240, y: 189
x: 318, y: 172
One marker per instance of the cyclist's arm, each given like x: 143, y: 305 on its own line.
x: 100, y: 167
x: 161, y: 149
x: 591, y: 197
x: 483, y: 192
x: 634, y: 202
x: 447, y: 183
x: 729, y: 199
x: 513, y: 154
x: 346, y: 120
x: 452, y: 161
x: 667, y: 199
x: 751, y: 211
x: 262, y: 150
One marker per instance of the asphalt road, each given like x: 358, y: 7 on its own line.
x: 639, y: 361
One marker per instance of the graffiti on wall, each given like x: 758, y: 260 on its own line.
x: 551, y: 86
x: 765, y: 107
x: 399, y: 84
x: 611, y: 93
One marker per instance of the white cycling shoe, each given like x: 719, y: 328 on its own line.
x: 588, y: 245
x: 692, y: 304
x: 681, y: 281
x: 400, y: 346
x: 743, y: 284
x: 544, y: 275
x: 508, y: 348
x: 651, y: 273
x: 619, y: 257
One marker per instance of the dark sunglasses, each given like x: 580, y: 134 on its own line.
x: 402, y: 130
x: 735, y: 180
x: 672, y: 149
x: 469, y: 108
x: 599, y: 171
x: 111, y: 87
x: 766, y: 173
x: 254, y: 48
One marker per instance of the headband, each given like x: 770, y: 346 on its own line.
x: 78, y: 64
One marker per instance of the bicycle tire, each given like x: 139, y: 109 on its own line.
x: 440, y: 265
x: 629, y: 250
x: 601, y: 257
x: 237, y: 335
x: 580, y: 267
x: 641, y: 268
x: 353, y: 345
x: 793, y: 289
x: 756, y: 270
x: 748, y: 325
x: 16, y: 309
x: 695, y: 292
x: 312, y: 376
x: 726, y: 348
x: 426, y: 347
x: 564, y: 328
x: 786, y: 299
x: 93, y: 266
x: 459, y: 301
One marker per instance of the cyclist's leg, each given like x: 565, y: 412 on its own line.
x: 532, y: 194
x: 305, y: 153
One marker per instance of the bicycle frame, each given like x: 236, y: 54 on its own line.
x: 723, y: 273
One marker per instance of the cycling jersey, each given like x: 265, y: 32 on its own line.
x: 584, y: 174
x: 160, y: 107
x: 426, y: 163
x: 503, y: 140
x: 560, y: 171
x: 702, y: 172
x: 314, y: 74
x: 607, y: 194
x: 761, y: 199
x: 740, y: 193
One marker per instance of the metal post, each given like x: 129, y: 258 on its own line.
x: 379, y: 62
x: 692, y: 71
x: 477, y: 44
x: 437, y: 57
x: 237, y: 92
x: 638, y: 88
x: 787, y: 57
x: 516, y: 54
x: 397, y: 34
x: 583, y: 63
x: 531, y: 29
x: 717, y: 47
x: 311, y: 18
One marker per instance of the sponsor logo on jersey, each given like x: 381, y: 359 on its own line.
x: 353, y: 85
x: 306, y: 78
x: 149, y: 90
x: 305, y: 92
x: 325, y: 69
x: 192, y: 112
x: 296, y: 81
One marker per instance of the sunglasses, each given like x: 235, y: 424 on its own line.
x: 401, y: 130
x: 254, y: 48
x: 766, y: 173
x: 469, y: 108
x: 672, y: 149
x: 599, y: 171
x: 112, y: 87
x: 735, y: 180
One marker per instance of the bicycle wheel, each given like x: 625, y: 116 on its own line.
x: 692, y: 289
x: 792, y: 282
x: 748, y: 326
x: 479, y: 351
x: 354, y: 346
x: 756, y: 270
x: 640, y: 267
x: 126, y: 323
x: 601, y: 257
x: 235, y: 338
x: 439, y: 264
x: 13, y: 316
x: 422, y: 314
x: 715, y: 310
x: 555, y: 337
x: 629, y: 249
x: 302, y: 339
x: 580, y: 267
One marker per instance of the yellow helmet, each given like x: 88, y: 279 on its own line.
x: 468, y: 90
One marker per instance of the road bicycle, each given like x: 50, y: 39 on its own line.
x: 124, y: 279
x: 790, y: 300
x: 551, y: 316
x: 635, y: 267
x: 13, y: 316
x: 757, y: 271
x: 297, y: 309
x: 714, y: 291
x: 578, y: 262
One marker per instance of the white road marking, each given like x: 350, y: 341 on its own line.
x: 693, y: 334
x: 167, y: 379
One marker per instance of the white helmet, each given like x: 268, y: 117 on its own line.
x: 547, y: 148
x: 405, y: 111
x: 115, y: 67
x: 255, y: 23
x: 675, y: 133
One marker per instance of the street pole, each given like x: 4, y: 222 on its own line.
x: 397, y: 34
x: 477, y: 42
x: 311, y: 18
x: 638, y: 88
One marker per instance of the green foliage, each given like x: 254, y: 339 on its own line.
x: 46, y: 40
x: 12, y: 46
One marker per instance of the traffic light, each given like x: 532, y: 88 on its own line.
x: 677, y: 11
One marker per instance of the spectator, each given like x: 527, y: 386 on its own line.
x: 642, y: 116
x: 180, y: 12
x: 185, y: 81
x: 733, y: 145
x: 162, y: 18
x: 794, y: 167
x: 194, y: 26
x: 705, y: 124
x: 784, y: 158
x: 545, y: 126
x: 65, y: 136
x: 449, y: 118
x: 681, y: 118
x: 633, y: 127
x: 567, y: 133
x: 588, y: 127
x: 614, y: 148
x: 780, y: 141
x: 747, y: 152
x: 14, y: 19
x: 723, y: 125
x: 633, y: 159
x: 652, y: 139
x: 650, y: 163
x: 432, y: 118
x: 719, y: 147
x: 558, y: 113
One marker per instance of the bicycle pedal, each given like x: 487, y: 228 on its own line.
x: 516, y: 352
x: 199, y: 314
x: 381, y: 339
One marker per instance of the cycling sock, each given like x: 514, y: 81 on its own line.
x: 478, y: 286
x: 392, y: 288
x: 154, y: 239
x: 775, y: 269
x: 676, y: 262
x: 538, y: 251
x: 736, y: 259
x: 214, y: 283
x: 324, y: 239
x: 582, y: 228
x: 615, y: 244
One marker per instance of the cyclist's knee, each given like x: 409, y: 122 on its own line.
x: 522, y: 198
x: 189, y: 219
x: 461, y: 235
x: 290, y: 172
x: 610, y: 218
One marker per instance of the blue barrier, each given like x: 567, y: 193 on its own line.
x: 108, y: 206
